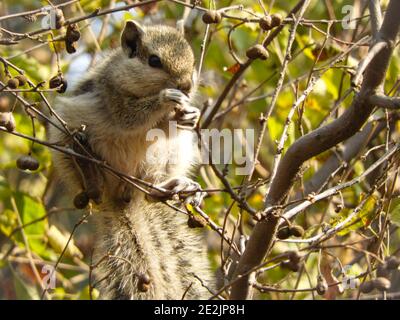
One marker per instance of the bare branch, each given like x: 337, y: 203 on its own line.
x: 372, y: 53
x: 207, y: 121
x: 385, y: 101
x: 327, y: 193
x: 315, y: 142
x: 35, y: 12
x: 376, y: 17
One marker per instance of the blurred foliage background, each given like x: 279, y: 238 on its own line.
x: 36, y: 218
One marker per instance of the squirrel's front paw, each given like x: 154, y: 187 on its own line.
x: 187, y: 190
x: 174, y: 96
x: 187, y: 117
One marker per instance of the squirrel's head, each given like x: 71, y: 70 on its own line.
x: 154, y: 58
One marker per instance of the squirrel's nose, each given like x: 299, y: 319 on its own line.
x: 185, y: 86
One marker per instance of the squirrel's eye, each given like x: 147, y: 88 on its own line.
x: 155, y: 61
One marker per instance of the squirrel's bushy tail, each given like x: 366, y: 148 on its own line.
x: 149, y: 252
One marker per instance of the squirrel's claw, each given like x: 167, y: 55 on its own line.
x: 174, y: 95
x: 188, y: 190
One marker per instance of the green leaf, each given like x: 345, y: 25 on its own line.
x: 365, y: 216
x: 8, y: 221
x: 395, y: 212
x: 275, y: 128
x: 85, y: 295
x: 31, y: 210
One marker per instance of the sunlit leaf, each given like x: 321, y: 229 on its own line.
x: 85, y: 294
x: 364, y: 216
x: 395, y: 213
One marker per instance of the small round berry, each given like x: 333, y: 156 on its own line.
x: 70, y: 46
x: 276, y: 20
x: 196, y: 222
x: 13, y: 83
x: 22, y: 80
x: 257, y: 52
x: 59, y: 82
x: 211, y: 16
x: 296, y: 231
x: 266, y: 23
x: 27, y: 163
x: 283, y: 233
x: 322, y: 285
x: 73, y: 34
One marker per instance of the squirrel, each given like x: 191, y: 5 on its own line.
x: 144, y: 248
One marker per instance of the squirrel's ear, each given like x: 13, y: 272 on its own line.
x: 130, y: 37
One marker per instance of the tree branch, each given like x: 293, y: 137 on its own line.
x: 207, y: 121
x: 384, y: 101
x: 376, y: 17
x: 334, y: 190
x: 372, y: 53
x: 312, y: 144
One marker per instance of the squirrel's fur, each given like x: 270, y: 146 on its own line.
x: 117, y: 102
